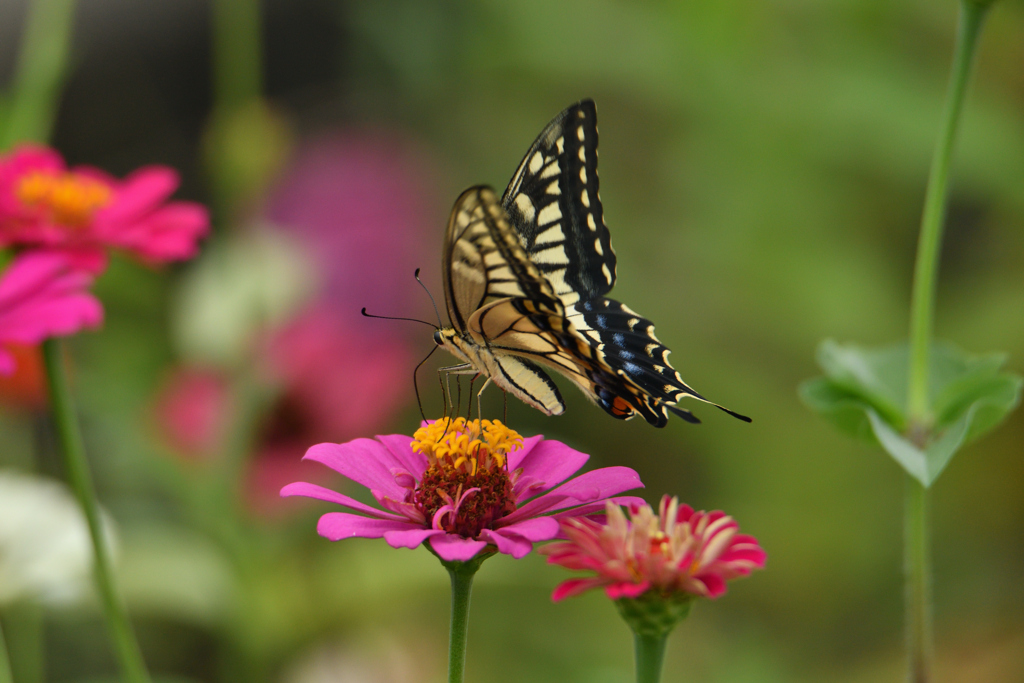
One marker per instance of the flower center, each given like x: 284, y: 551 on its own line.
x: 466, y: 487
x: 70, y: 199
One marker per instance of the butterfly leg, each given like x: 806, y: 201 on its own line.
x: 460, y: 369
x: 479, y: 394
x: 469, y: 404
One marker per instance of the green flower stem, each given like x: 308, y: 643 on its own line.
x: 461, y: 574
x: 23, y: 638
x: 39, y: 73
x: 462, y: 586
x: 922, y: 307
x: 917, y: 592
x: 5, y: 660
x: 237, y: 62
x: 651, y: 617
x: 72, y: 450
x: 650, y: 653
x: 917, y: 597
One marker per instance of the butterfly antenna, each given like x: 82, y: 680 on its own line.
x: 415, y: 384
x: 392, y: 317
x: 431, y: 296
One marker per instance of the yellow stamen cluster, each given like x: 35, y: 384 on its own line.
x: 466, y: 445
x: 72, y: 199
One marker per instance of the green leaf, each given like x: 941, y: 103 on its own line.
x: 864, y: 390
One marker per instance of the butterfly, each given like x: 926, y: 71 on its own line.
x: 525, y: 279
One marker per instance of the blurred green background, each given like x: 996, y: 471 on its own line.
x: 763, y: 168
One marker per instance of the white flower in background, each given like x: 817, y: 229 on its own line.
x: 45, y: 551
x: 244, y: 285
x: 371, y: 660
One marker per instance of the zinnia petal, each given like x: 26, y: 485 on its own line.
x: 550, y: 462
x: 364, y: 461
x: 572, y: 587
x: 588, y: 487
x: 451, y: 547
x: 409, y: 538
x: 535, y: 529
x: 338, y: 525
x: 301, y: 488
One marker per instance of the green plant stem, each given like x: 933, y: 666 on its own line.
x: 72, y: 451
x: 39, y: 72
x: 23, y: 637
x: 650, y: 653
x: 922, y: 306
x: 237, y: 63
x: 462, y: 586
x: 917, y: 586
x: 5, y: 660
x: 917, y: 591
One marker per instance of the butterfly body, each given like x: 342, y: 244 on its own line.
x: 525, y: 278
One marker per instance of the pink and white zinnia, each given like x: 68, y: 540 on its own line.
x: 462, y: 487
x: 675, y: 551
x: 43, y: 294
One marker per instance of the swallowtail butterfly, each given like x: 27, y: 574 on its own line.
x: 525, y: 278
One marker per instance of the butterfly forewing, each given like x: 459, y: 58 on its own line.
x: 554, y: 204
x: 483, y: 260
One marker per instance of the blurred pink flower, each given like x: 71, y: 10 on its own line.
x: 361, y: 202
x: 357, y: 205
x: 42, y: 295
x: 342, y: 382
x: 43, y: 203
x: 676, y: 551
x: 193, y: 410
x: 461, y: 486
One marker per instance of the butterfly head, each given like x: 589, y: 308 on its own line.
x: 447, y: 338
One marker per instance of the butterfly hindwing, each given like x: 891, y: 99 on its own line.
x: 553, y: 202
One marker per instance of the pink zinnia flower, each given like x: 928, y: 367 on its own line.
x: 43, y: 203
x: 43, y: 295
x: 462, y: 486
x: 676, y: 551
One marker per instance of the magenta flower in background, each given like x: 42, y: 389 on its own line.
x: 83, y: 210
x: 322, y: 364
x: 361, y: 202
x: 675, y: 551
x: 43, y: 294
x: 462, y: 487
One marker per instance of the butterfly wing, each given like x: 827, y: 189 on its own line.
x: 484, y: 261
x: 484, y: 267
x: 626, y: 343
x: 525, y: 281
x: 553, y: 202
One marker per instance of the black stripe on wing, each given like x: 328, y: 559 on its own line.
x: 629, y: 347
x: 531, y: 384
x: 554, y: 204
x: 484, y: 260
